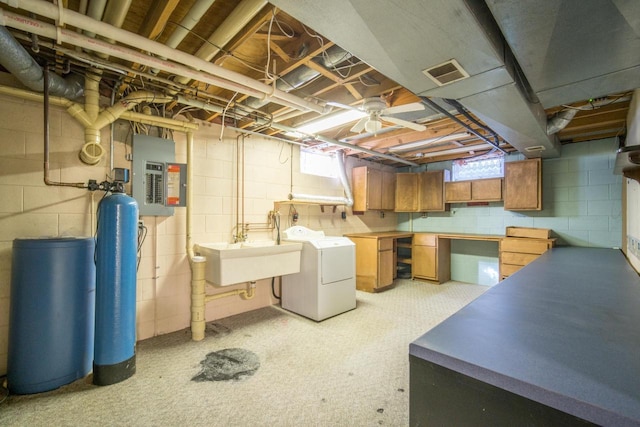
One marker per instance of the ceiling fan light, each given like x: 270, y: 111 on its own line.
x: 373, y: 126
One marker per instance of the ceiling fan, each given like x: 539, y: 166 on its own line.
x: 378, y: 112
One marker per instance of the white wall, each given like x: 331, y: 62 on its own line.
x: 31, y: 209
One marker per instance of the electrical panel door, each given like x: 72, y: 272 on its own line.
x: 159, y: 184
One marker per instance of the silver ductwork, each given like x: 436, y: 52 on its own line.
x: 303, y: 74
x: 20, y: 64
x: 516, y: 58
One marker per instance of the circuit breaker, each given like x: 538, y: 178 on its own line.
x: 159, y: 184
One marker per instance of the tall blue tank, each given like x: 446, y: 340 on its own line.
x: 51, y: 319
x: 116, y: 258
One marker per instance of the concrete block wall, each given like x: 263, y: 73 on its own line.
x: 31, y: 209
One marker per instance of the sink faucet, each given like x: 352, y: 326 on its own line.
x: 242, y: 235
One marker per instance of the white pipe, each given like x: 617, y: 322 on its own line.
x: 77, y: 112
x: 189, y: 21
x: 198, y: 297
x: 195, y: 14
x: 75, y: 19
x: 319, y: 199
x: 342, y: 174
x: 46, y: 30
x: 237, y: 19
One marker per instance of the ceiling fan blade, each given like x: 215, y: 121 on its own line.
x: 414, y: 106
x: 404, y: 123
x: 358, y: 127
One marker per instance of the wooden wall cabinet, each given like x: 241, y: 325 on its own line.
x: 431, y: 191
x: 477, y: 190
x: 373, y: 189
x: 431, y: 258
x: 406, y: 192
x: 421, y: 192
x: 523, y: 185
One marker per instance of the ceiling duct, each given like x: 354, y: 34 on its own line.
x: 20, y: 64
x: 303, y: 74
x: 495, y: 91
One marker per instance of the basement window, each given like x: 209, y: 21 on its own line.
x: 477, y: 169
x: 319, y: 164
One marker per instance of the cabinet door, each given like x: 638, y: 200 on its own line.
x: 486, y: 190
x: 456, y: 192
x: 374, y: 189
x: 388, y: 199
x: 431, y: 191
x: 406, y: 192
x: 424, y: 262
x: 359, y: 185
x: 523, y: 185
x: 386, y: 268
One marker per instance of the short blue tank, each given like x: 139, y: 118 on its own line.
x: 51, y: 320
x: 116, y: 261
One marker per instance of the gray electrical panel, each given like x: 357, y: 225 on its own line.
x: 159, y: 184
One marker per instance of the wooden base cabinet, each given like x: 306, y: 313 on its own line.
x: 431, y: 258
x: 375, y: 263
x: 516, y: 252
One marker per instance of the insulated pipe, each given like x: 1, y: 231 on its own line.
x: 237, y: 19
x: 46, y: 30
x: 189, y: 21
x: 19, y: 63
x: 69, y: 17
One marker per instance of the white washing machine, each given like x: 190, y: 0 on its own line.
x: 326, y: 283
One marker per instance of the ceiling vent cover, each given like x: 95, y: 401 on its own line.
x: 445, y: 73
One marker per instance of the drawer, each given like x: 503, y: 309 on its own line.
x: 517, y: 258
x: 424, y: 239
x: 508, y: 269
x: 529, y: 246
x: 385, y: 244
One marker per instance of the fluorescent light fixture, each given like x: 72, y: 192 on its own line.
x: 419, y: 144
x: 329, y: 122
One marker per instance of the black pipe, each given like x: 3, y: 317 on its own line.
x: 439, y: 109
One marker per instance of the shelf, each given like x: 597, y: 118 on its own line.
x: 404, y: 260
x: 404, y: 245
x: 322, y: 205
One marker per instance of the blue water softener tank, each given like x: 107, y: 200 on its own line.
x: 51, y: 319
x: 116, y: 256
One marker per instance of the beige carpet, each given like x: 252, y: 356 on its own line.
x: 350, y: 370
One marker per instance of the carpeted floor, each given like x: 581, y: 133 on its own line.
x: 277, y: 369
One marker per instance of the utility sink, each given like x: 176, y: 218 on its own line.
x: 233, y: 263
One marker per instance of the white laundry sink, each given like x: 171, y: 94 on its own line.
x: 232, y: 263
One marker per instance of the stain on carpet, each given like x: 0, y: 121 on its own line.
x: 228, y: 364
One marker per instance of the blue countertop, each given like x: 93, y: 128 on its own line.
x: 564, y: 331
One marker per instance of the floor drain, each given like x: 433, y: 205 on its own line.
x: 228, y: 364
